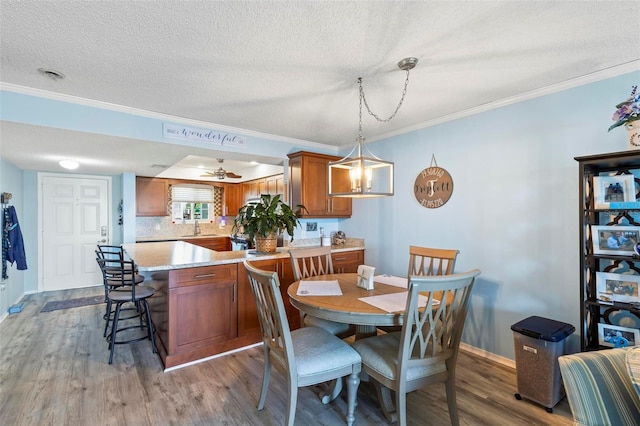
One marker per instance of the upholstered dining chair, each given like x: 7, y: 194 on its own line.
x: 121, y: 288
x: 310, y: 262
x: 426, y: 349
x: 306, y: 356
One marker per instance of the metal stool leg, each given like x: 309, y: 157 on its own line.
x: 114, y: 331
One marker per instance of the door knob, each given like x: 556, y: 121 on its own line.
x: 102, y: 241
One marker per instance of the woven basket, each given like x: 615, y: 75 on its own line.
x: 267, y: 244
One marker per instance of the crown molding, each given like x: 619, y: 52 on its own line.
x: 91, y: 103
x: 536, y: 93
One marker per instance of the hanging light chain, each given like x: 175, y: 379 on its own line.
x: 364, y: 99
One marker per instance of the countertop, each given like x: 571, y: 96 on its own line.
x: 166, y: 255
x: 179, y: 237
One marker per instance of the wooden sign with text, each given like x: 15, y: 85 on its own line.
x: 433, y: 187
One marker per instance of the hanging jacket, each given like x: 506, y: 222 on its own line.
x: 14, y: 245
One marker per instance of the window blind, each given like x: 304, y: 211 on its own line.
x: 192, y: 193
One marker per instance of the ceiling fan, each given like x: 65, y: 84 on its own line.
x: 221, y: 173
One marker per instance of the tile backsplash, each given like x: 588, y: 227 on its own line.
x: 163, y: 227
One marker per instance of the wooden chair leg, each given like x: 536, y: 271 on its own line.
x: 450, y: 386
x: 353, y: 381
x: 265, y: 379
x: 401, y: 407
x: 293, y: 400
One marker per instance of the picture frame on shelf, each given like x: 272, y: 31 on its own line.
x: 617, y: 288
x: 616, y: 240
x: 611, y: 192
x: 615, y: 336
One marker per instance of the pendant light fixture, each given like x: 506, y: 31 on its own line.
x: 367, y: 175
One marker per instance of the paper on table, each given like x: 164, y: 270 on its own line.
x: 394, y: 302
x: 391, y: 280
x: 319, y: 288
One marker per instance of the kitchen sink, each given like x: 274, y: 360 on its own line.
x: 204, y: 235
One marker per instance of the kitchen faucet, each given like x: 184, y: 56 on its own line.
x: 196, y: 231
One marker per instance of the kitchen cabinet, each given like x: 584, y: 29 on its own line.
x: 232, y: 199
x: 214, y: 243
x: 347, y: 261
x: 194, y: 312
x: 247, y: 311
x: 152, y: 196
x: 275, y: 185
x: 249, y: 190
x: 600, y: 304
x: 309, y: 186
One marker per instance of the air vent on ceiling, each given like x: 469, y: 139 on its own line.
x: 159, y: 166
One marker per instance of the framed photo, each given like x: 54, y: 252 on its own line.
x: 615, y: 336
x: 613, y: 189
x: 619, y: 240
x: 617, y: 288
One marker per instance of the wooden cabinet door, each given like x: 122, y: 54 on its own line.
x: 285, y: 275
x: 348, y: 261
x: 314, y: 186
x: 262, y: 187
x: 203, y: 308
x: 217, y: 243
x: 232, y: 199
x: 152, y: 197
x: 270, y: 185
x: 248, y: 322
x: 309, y: 186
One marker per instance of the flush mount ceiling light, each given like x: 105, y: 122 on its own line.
x: 69, y: 164
x: 368, y: 176
x: 52, y: 74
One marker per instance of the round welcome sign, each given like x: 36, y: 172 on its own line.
x: 433, y: 187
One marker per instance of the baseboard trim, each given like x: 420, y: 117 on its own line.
x: 488, y: 355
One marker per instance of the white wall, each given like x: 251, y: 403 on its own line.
x: 514, y: 208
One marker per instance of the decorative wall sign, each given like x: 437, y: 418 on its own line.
x: 433, y: 186
x: 175, y: 131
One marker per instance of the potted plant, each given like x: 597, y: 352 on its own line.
x: 263, y: 220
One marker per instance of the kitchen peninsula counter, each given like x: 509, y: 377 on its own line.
x: 167, y: 255
x: 203, y: 304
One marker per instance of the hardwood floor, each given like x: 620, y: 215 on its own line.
x: 54, y: 371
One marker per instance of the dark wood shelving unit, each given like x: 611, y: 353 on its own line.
x: 592, y: 310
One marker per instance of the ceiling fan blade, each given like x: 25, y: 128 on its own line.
x: 233, y: 175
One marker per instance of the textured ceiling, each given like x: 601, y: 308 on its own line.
x: 290, y: 68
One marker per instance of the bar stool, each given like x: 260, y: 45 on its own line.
x: 110, y: 252
x: 120, y: 288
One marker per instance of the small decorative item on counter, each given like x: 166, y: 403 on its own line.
x: 339, y: 238
x: 627, y: 114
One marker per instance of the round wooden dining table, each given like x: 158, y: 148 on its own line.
x: 347, y: 308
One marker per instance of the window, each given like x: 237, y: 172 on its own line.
x: 191, y: 202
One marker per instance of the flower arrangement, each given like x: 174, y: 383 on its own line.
x: 628, y: 110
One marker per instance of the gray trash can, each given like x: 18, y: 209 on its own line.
x: 538, y: 344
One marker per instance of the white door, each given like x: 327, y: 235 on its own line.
x: 75, y: 217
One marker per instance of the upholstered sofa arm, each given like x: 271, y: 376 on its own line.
x: 599, y: 388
